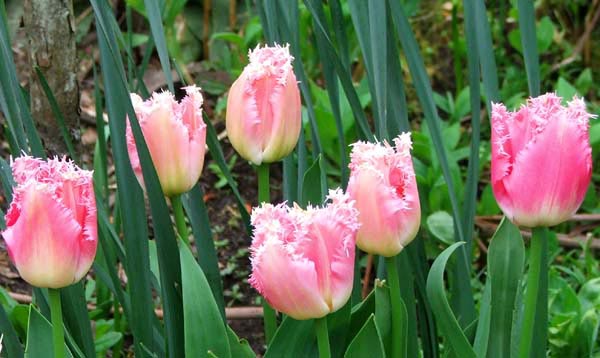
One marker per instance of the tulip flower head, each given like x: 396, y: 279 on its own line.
x: 383, y: 185
x: 176, y: 137
x: 51, y: 233
x: 303, y: 260
x: 263, y: 107
x: 541, y: 160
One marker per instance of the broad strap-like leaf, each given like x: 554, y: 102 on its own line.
x: 204, y: 326
x: 506, y: 260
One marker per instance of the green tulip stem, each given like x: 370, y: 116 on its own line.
x: 269, y: 316
x: 322, y: 337
x: 58, y: 336
x: 399, y: 339
x: 535, y: 316
x: 182, y: 228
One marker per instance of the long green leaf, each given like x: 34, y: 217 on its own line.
x: 129, y: 193
x: 506, y: 259
x: 331, y: 84
x: 195, y: 208
x: 379, y: 46
x: 10, y: 341
x: 12, y: 102
x: 480, y: 345
x: 529, y: 43
x: 446, y: 320
x: 425, y: 318
x: 204, y: 326
x: 288, y: 28
x: 58, y: 116
x: 407, y: 291
x: 471, y: 185
x: 168, y: 254
x: 158, y: 33
x: 76, y: 319
x: 345, y: 79
x: 464, y: 297
x: 217, y: 154
x: 477, y: 14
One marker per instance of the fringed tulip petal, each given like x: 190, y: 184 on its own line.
x: 175, y: 135
x: 51, y: 232
x: 263, y: 107
x: 303, y: 260
x: 382, y: 182
x: 541, y: 160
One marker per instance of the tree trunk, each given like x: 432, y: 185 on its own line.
x: 50, y: 27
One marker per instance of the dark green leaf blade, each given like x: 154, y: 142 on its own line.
x: 529, y: 43
x: 204, y: 327
x: 367, y: 343
x: 193, y: 202
x: 39, y: 336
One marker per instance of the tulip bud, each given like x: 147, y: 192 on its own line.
x: 176, y: 137
x: 303, y: 260
x: 263, y: 107
x: 382, y: 183
x: 541, y: 160
x: 51, y: 233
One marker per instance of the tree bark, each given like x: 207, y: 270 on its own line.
x: 50, y: 27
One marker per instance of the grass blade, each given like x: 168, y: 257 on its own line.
x: 466, y: 305
x: 217, y: 154
x: 158, y: 33
x: 487, y: 58
x: 193, y: 202
x: 129, y: 193
x: 345, y: 79
x: 58, y: 116
x: 379, y: 46
x: 331, y: 84
x: 76, y: 318
x: 10, y: 341
x: 12, y: 102
x: 529, y: 43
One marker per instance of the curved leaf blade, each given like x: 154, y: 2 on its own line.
x: 439, y: 304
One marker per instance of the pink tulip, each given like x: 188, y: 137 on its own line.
x: 541, y: 160
x: 176, y: 137
x: 51, y: 231
x: 382, y: 182
x: 263, y: 107
x: 303, y: 260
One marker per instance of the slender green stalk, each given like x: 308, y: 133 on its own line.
x: 399, y: 339
x: 534, y: 316
x: 182, y: 228
x: 264, y: 195
x: 322, y: 337
x: 58, y: 336
x: 269, y: 316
